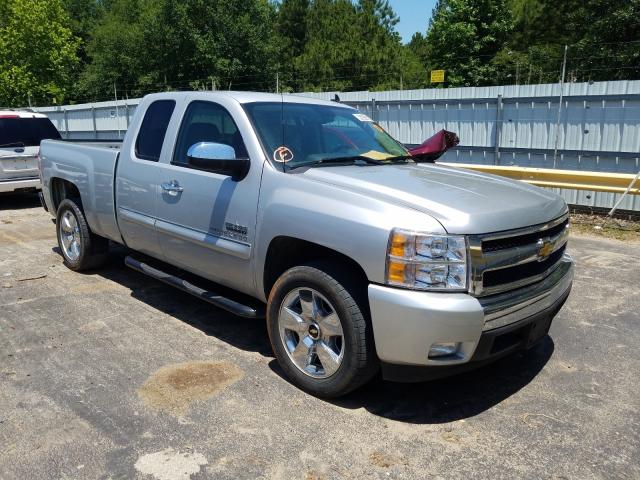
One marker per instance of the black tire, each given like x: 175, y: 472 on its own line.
x: 93, y: 248
x: 359, y: 362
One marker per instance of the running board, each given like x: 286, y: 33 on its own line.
x: 213, y: 298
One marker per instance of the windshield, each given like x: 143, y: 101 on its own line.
x: 297, y: 134
x: 26, y: 132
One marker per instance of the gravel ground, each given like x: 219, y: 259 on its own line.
x: 113, y: 375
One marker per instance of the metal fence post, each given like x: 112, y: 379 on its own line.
x: 499, y: 104
x: 555, y: 147
x: 66, y: 125
x: 93, y: 118
x: 374, y: 110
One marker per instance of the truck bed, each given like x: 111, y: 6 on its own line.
x: 90, y: 166
x: 99, y: 143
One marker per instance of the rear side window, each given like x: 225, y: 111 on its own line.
x: 153, y: 129
x: 26, y: 132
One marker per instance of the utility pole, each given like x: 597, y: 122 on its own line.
x: 564, y: 69
x: 277, y: 82
x: 517, y: 73
x: 401, y: 83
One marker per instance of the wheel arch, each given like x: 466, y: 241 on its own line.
x: 285, y: 252
x: 62, y: 189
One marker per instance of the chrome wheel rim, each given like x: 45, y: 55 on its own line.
x: 311, y: 333
x: 70, y: 236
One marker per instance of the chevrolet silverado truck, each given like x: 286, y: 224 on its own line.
x: 362, y: 258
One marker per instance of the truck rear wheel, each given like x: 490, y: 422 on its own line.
x: 318, y: 331
x: 81, y: 249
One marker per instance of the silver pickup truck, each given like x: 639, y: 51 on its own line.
x: 361, y: 258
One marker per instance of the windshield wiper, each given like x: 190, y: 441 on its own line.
x: 353, y: 160
x: 399, y: 159
x: 14, y: 144
x: 350, y: 160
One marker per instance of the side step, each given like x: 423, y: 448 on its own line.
x: 218, y: 300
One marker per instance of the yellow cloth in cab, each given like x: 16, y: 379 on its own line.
x: 374, y: 154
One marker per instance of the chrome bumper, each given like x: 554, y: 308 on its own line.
x: 406, y: 323
x: 13, y: 184
x: 507, y: 308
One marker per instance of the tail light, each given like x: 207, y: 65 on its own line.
x: 40, y: 168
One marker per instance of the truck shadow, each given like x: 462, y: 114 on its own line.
x: 18, y: 201
x: 438, y: 401
x: 243, y: 333
x: 453, y: 398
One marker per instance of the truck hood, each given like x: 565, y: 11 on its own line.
x: 463, y: 201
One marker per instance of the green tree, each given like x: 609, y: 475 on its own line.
x: 378, y: 47
x: 418, y: 47
x: 464, y: 36
x: 602, y: 37
x: 150, y: 45
x: 347, y: 46
x: 326, y: 60
x: 38, y: 52
x: 84, y: 16
x: 113, y: 52
x: 609, y: 49
x: 291, y: 32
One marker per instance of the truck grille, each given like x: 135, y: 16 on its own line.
x: 504, y: 261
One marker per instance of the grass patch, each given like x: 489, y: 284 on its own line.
x: 605, y: 227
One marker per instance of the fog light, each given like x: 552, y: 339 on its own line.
x: 443, y: 349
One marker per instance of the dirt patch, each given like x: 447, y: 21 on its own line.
x: 311, y: 475
x: 175, y: 387
x: 384, y: 460
x: 451, y: 437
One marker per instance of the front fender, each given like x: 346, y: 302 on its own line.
x: 350, y: 223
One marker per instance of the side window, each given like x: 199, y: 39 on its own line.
x: 207, y: 122
x: 153, y: 129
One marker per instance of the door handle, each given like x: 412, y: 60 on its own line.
x: 173, y: 188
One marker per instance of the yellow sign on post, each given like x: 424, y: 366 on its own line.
x: 437, y: 76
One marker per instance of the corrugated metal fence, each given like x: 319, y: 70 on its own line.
x: 598, y: 127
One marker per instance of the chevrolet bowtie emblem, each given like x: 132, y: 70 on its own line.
x: 545, y: 248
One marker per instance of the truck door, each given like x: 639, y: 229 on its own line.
x: 137, y: 178
x: 206, y: 221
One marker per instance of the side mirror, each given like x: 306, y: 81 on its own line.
x: 217, y: 158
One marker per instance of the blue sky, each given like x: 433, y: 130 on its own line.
x: 414, y: 16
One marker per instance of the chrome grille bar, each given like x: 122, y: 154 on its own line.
x: 520, y: 255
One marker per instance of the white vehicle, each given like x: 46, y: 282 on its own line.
x: 20, y: 136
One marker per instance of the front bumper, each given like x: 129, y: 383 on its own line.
x: 407, y: 323
x: 11, y: 185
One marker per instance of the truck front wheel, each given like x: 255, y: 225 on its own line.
x: 318, y: 330
x: 80, y: 248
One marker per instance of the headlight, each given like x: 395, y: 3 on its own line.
x: 427, y: 262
